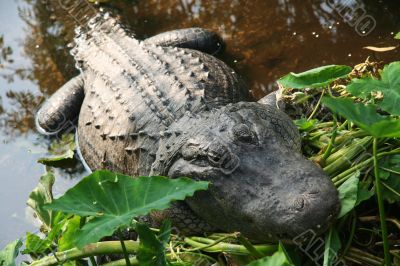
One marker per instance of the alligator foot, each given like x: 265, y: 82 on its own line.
x: 63, y: 110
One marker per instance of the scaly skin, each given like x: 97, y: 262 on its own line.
x: 146, y: 108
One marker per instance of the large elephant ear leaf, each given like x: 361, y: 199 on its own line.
x: 113, y: 200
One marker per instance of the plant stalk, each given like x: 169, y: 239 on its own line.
x: 122, y: 262
x: 381, y: 206
x: 316, y: 106
x: 339, y: 179
x: 126, y: 255
x: 227, y: 247
x: 99, y: 248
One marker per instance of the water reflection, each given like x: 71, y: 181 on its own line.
x: 265, y: 40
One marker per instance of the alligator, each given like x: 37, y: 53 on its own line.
x: 166, y: 106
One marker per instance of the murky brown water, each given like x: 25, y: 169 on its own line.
x: 265, y: 40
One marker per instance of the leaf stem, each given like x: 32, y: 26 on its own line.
x: 227, y: 247
x: 121, y: 239
x: 316, y: 106
x: 211, y: 243
x: 363, y: 257
x: 381, y: 205
x: 352, y: 232
x: 122, y: 262
x: 328, y: 150
x: 339, y: 179
x: 254, y: 252
x: 99, y: 248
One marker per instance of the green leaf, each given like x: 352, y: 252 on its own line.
x: 277, y: 259
x: 9, y: 253
x: 165, y: 232
x: 365, y: 116
x: 397, y: 36
x: 305, y: 125
x: 41, y: 195
x: 291, y: 253
x: 113, y: 200
x: 391, y: 185
x: 363, y: 194
x: 332, y: 246
x: 389, y: 85
x: 67, y: 240
x: 36, y: 245
x: 61, y: 150
x: 315, y: 78
x: 152, y: 247
x: 348, y: 195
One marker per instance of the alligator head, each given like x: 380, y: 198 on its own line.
x: 260, y: 182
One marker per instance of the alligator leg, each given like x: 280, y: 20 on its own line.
x: 192, y: 38
x: 61, y: 110
x: 270, y: 99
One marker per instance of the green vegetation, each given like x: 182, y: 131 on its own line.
x: 349, y: 122
x: 354, y: 142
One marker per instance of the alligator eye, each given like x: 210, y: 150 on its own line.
x: 217, y: 154
x: 190, y: 151
x: 243, y: 133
